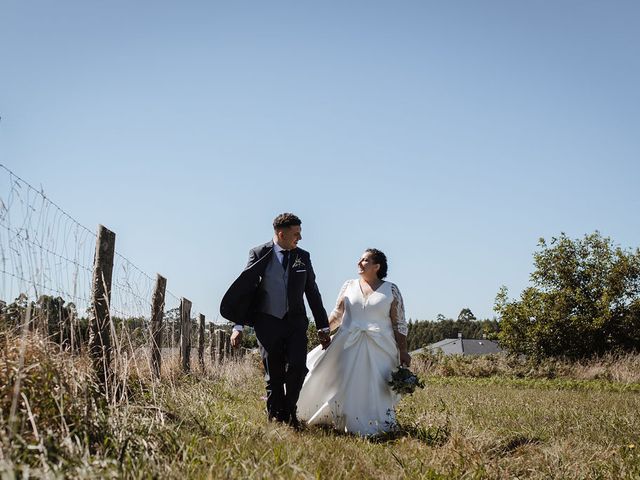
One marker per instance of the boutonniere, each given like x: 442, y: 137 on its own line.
x: 298, y: 263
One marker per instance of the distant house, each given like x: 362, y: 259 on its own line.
x: 462, y: 346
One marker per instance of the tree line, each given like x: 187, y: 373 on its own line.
x: 425, y: 332
x: 584, y: 300
x: 66, y: 327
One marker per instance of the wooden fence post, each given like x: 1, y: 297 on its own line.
x: 72, y: 330
x: 185, y: 333
x: 201, y: 341
x: 219, y: 342
x: 227, y: 346
x: 99, y: 334
x: 157, y: 312
x: 212, y: 341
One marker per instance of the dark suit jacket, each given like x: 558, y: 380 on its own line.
x: 241, y: 300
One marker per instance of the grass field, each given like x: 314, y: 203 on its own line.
x: 212, y: 424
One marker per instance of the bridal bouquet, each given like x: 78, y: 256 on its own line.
x: 404, y: 381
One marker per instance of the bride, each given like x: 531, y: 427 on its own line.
x: 346, y: 386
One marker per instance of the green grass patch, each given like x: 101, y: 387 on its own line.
x: 212, y: 424
x: 538, y: 383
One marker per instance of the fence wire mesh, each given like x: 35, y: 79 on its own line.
x: 46, y: 259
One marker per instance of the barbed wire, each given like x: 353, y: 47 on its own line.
x: 46, y: 251
x: 45, y: 288
x: 44, y: 197
x: 19, y: 235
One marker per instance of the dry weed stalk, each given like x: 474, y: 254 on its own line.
x: 18, y: 381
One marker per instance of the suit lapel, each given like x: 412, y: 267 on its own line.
x: 294, y: 259
x: 263, y: 257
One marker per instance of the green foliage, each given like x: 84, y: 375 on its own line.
x: 585, y: 300
x: 12, y: 315
x: 249, y: 339
x: 466, y: 315
x: 52, y: 315
x: 60, y: 320
x: 171, y: 327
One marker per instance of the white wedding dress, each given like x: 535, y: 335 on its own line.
x: 347, y: 384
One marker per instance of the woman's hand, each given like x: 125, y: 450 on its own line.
x: 405, y: 359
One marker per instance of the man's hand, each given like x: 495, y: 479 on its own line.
x: 236, y: 338
x: 325, y: 339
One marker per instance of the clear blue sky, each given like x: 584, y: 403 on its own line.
x: 451, y: 135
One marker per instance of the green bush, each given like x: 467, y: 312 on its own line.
x: 585, y: 301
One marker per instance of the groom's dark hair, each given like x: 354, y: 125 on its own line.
x: 286, y: 220
x: 379, y: 258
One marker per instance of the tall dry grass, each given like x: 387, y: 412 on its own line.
x: 56, y: 421
x: 50, y: 404
x: 622, y: 368
x: 211, y: 423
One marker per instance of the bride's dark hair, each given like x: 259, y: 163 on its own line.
x: 379, y: 258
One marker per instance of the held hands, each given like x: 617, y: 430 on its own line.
x: 325, y: 339
x: 236, y: 338
x: 405, y: 359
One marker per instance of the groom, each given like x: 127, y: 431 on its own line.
x: 268, y: 295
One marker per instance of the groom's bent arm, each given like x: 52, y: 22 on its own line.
x: 239, y: 327
x: 236, y: 334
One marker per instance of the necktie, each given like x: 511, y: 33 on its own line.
x: 285, y: 258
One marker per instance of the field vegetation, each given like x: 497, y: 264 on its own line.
x: 563, y: 404
x: 491, y: 417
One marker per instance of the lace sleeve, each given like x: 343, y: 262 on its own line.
x: 335, y: 318
x: 397, y: 312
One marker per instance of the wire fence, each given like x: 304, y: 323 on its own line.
x: 44, y: 251
x: 47, y: 258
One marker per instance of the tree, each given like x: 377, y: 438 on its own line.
x: 50, y: 315
x: 585, y: 300
x: 171, y: 327
x: 466, y: 315
x: 13, y: 314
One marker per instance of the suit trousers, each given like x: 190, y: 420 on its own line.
x: 283, y: 346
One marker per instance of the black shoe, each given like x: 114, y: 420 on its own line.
x: 295, y: 423
x: 279, y: 417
